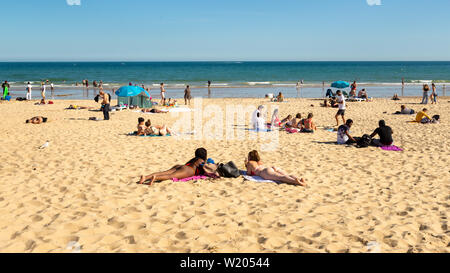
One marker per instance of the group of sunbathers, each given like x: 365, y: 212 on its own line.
x: 305, y: 125
x: 198, y: 166
x: 145, y: 128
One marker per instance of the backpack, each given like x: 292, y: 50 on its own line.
x: 364, y: 141
x: 228, y: 170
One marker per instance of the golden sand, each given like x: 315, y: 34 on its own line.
x: 82, y: 189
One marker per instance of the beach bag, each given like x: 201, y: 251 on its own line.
x: 364, y: 141
x: 228, y: 170
x: 210, y: 170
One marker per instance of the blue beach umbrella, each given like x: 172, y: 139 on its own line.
x: 131, y: 91
x: 340, y: 84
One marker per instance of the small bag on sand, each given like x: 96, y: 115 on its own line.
x: 228, y: 170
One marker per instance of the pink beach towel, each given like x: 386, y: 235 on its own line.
x: 292, y: 130
x: 391, y: 148
x: 200, y: 177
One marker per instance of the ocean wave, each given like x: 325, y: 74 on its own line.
x: 258, y: 83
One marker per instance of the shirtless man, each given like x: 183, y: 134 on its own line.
x: 105, y: 105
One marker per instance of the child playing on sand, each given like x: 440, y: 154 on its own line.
x: 192, y: 168
x: 256, y: 168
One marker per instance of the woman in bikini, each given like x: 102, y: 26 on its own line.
x: 275, y: 122
x: 192, y: 168
x: 157, y: 129
x: 308, y: 125
x: 255, y: 167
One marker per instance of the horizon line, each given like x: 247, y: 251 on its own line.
x: 206, y: 61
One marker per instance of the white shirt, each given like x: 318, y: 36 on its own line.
x: 342, y: 137
x: 255, y: 118
x: 341, y: 99
x: 43, y: 88
x: 260, y: 124
x: 29, y: 88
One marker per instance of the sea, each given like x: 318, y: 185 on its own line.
x: 233, y: 79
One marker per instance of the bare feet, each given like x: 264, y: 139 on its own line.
x: 152, y: 180
x: 301, y: 182
x: 142, y: 180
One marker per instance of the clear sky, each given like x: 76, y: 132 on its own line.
x: 170, y: 30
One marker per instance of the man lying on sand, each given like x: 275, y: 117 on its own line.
x: 192, y: 168
x: 255, y: 167
x: 404, y: 111
x: 36, y: 120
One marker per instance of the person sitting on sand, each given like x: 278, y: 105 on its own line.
x: 192, y: 168
x: 330, y: 94
x: 156, y: 130
x: 36, y: 120
x: 343, y: 133
x: 363, y: 95
x: 255, y: 116
x: 286, y: 122
x: 280, y: 97
x: 404, y: 111
x: 275, y: 122
x: 255, y: 168
x: 297, y: 121
x: 141, y: 127
x: 385, y: 133
x: 155, y: 111
x: 423, y: 117
x: 260, y: 123
x: 395, y: 97
x: 308, y: 125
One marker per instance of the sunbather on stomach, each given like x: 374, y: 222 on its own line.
x: 192, y: 168
x: 254, y: 167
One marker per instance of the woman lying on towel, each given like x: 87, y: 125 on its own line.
x: 255, y: 168
x: 192, y: 168
x: 155, y: 111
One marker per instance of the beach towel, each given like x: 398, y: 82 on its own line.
x: 292, y: 130
x: 199, y: 177
x: 135, y: 134
x: 258, y: 179
x: 391, y: 148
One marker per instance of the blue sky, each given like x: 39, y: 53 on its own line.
x: 170, y: 30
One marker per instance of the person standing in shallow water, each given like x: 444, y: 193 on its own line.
x: 163, y: 94
x: 187, y: 95
x: 426, y: 88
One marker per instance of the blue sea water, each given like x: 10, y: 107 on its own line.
x: 229, y: 79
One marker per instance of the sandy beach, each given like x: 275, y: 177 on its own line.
x: 82, y: 188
